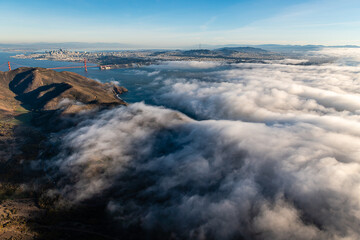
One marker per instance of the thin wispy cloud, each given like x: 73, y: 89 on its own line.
x: 206, y: 25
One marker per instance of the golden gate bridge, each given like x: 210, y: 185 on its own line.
x: 63, y: 67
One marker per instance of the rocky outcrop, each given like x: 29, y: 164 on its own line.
x: 118, y: 89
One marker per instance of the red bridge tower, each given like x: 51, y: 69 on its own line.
x: 85, y: 64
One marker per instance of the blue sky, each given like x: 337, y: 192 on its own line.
x: 167, y: 23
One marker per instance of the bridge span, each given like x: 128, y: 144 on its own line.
x: 63, y: 67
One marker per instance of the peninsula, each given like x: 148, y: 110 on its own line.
x: 34, y: 103
x: 130, y: 59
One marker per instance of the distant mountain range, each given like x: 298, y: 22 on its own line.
x: 224, y: 52
x: 280, y: 48
x: 121, y: 46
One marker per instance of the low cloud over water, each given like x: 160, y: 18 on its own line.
x: 273, y: 154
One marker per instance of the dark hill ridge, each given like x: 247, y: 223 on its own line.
x: 234, y: 53
x: 44, y: 89
x: 241, y: 50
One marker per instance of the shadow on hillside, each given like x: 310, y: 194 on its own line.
x: 21, y: 81
x: 35, y: 99
x: 38, y: 98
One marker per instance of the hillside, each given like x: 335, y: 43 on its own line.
x: 34, y: 102
x: 226, y: 50
x: 32, y: 95
x: 44, y: 89
x: 8, y: 103
x: 29, y: 93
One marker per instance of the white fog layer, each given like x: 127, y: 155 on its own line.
x: 274, y: 153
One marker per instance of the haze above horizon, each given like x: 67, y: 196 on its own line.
x: 160, y: 23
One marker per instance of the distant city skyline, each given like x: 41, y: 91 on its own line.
x: 169, y: 24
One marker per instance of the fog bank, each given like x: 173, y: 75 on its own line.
x: 273, y: 154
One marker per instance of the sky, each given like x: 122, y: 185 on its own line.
x: 167, y: 23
